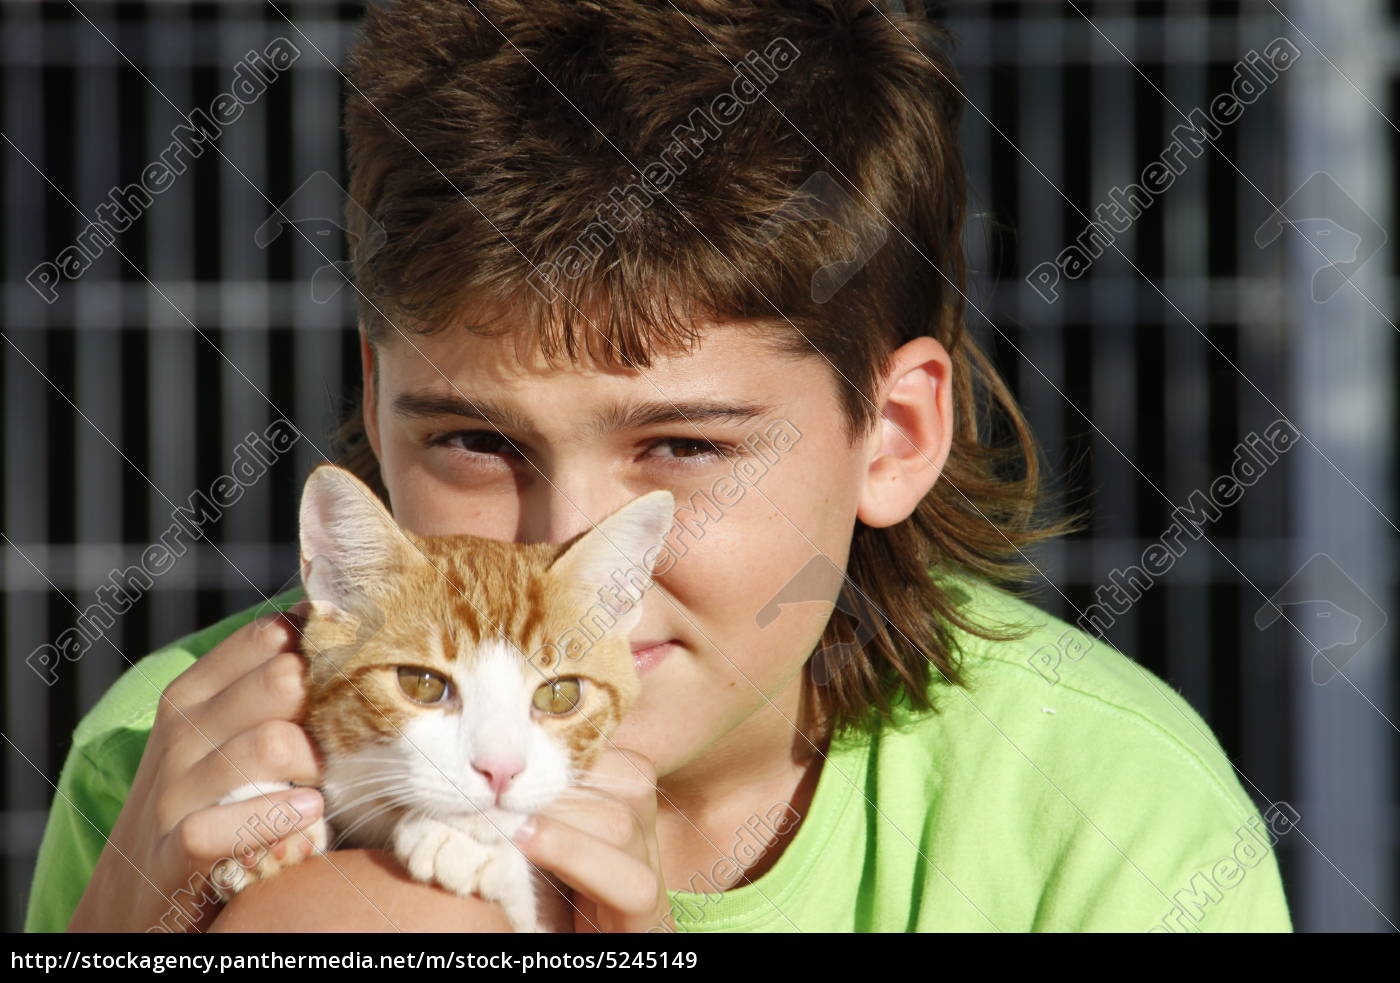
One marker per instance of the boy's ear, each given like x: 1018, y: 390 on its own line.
x: 910, y: 443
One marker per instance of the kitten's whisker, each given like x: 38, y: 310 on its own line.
x: 384, y: 784
x: 599, y: 783
x: 369, y: 817
x: 377, y: 759
x: 381, y: 781
x: 357, y: 808
x: 611, y: 789
x: 585, y: 788
x: 580, y: 796
x: 370, y: 780
x: 398, y: 795
x: 343, y: 836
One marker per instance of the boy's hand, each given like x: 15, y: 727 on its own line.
x: 602, y: 844
x: 227, y: 720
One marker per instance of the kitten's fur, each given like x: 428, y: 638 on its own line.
x: 491, y: 618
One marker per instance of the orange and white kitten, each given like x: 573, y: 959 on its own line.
x: 456, y: 685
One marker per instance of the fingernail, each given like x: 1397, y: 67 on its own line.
x: 307, y: 803
x: 525, y: 832
x: 299, y: 611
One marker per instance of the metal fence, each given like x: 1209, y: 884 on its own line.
x: 1147, y: 350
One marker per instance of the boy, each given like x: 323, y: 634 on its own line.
x: 606, y: 247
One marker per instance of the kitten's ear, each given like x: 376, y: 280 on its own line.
x: 348, y: 539
x: 619, y: 545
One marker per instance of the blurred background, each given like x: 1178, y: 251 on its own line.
x: 1250, y: 287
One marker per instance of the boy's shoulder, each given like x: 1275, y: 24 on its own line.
x: 1077, y: 787
x: 1058, y: 722
x: 129, y: 704
x: 1067, y: 689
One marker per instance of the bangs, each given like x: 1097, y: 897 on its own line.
x: 620, y: 298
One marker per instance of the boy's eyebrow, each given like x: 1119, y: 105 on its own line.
x: 615, y: 417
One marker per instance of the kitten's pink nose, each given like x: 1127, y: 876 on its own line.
x: 499, y: 773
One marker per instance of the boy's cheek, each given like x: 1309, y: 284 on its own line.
x: 672, y: 723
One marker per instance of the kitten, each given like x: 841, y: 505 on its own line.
x: 456, y: 685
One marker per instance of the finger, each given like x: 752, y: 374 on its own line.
x: 271, y: 751
x: 628, y: 777
x: 210, y: 835
x: 614, y: 878
x: 605, y: 817
x: 625, y: 774
x: 272, y: 690
x: 249, y: 646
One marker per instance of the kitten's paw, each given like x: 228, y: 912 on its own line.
x: 258, y: 862
x: 255, y: 855
x: 506, y: 878
x: 433, y: 851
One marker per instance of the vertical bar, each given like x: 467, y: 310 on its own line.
x: 98, y: 495
x: 26, y: 423
x: 243, y: 310
x: 316, y: 326
x: 171, y: 226
x: 1259, y: 310
x: 1113, y: 309
x: 1186, y: 630
x: 1342, y: 347
x: 1042, y: 235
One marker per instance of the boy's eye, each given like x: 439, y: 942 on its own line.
x: 560, y: 696
x: 489, y: 442
x: 422, y: 685
x: 476, y: 441
x: 689, y: 448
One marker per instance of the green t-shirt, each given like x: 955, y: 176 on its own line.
x: 1068, y: 789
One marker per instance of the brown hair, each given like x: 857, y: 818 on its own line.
x: 653, y: 162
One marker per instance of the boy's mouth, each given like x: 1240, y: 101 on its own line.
x: 647, y: 654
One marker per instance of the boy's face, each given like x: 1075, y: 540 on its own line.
x: 585, y: 446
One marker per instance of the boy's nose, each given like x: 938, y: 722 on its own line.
x: 565, y: 509
x: 499, y: 772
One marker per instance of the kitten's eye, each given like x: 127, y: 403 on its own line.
x: 559, y: 697
x: 422, y: 685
